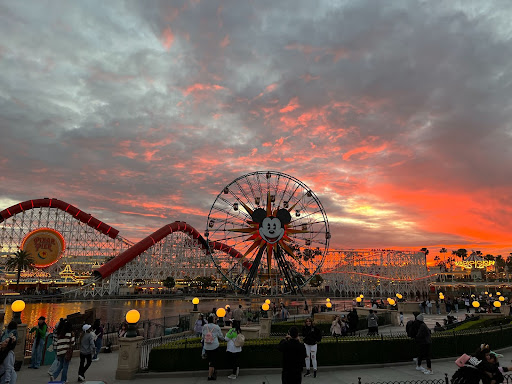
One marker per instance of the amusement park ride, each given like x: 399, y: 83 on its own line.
x: 266, y: 233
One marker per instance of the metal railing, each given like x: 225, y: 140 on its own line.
x: 147, y: 345
x: 445, y: 380
x: 431, y: 381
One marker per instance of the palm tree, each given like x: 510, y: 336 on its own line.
x: 499, y: 264
x: 462, y: 253
x: 21, y: 260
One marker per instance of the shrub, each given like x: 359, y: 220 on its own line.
x: 185, y: 355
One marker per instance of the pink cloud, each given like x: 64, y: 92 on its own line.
x: 292, y: 105
x: 225, y: 42
x: 167, y: 38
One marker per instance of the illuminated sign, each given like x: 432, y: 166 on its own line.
x: 45, y: 246
x: 470, y: 264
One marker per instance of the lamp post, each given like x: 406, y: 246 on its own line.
x: 221, y: 312
x: 265, y: 308
x: 17, y: 307
x: 195, y: 301
x: 132, y: 317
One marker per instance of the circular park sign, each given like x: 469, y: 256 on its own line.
x: 45, y: 246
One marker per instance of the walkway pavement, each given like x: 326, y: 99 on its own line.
x: 105, y: 368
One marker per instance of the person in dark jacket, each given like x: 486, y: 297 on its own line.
x: 424, y: 342
x: 294, y: 354
x: 312, y: 335
x: 353, y: 320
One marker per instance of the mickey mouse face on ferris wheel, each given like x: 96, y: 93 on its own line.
x: 271, y: 228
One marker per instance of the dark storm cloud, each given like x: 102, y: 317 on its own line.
x: 151, y: 108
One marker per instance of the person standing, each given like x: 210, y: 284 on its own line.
x: 238, y: 314
x: 37, y: 347
x: 373, y: 323
x: 336, y: 326
x: 87, y: 348
x: 424, y: 345
x: 311, y: 335
x: 63, y: 347
x: 11, y: 330
x: 353, y: 320
x: 466, y: 304
x: 284, y: 313
x: 438, y: 307
x: 211, y: 336
x: 401, y: 317
x: 198, y: 325
x: 7, y: 373
x: 294, y: 353
x: 228, y: 318
x: 233, y: 351
x: 456, y: 304
x: 122, y: 331
x: 429, y: 306
x: 98, y: 338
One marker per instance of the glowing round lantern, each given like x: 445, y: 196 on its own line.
x: 497, y: 304
x: 221, y: 312
x: 18, y: 306
x: 132, y: 316
x: 265, y: 307
x: 328, y: 305
x: 399, y: 296
x: 328, y: 300
x: 267, y: 301
x: 498, y: 293
x: 195, y: 301
x: 361, y: 296
x: 501, y: 298
x: 391, y: 302
x: 358, y: 299
x: 475, y: 304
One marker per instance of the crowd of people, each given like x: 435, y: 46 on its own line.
x: 89, y: 343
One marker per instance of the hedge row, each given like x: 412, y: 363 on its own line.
x: 346, y: 351
x: 284, y: 326
x: 485, y: 323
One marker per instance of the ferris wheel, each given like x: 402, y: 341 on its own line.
x: 272, y: 231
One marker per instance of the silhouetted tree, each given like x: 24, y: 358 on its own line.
x: 21, y: 260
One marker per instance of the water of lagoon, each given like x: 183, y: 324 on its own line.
x: 114, y: 311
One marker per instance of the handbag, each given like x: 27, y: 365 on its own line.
x: 69, y: 353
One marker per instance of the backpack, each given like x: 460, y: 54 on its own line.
x: 208, y: 338
x: 411, y: 328
x: 239, y: 340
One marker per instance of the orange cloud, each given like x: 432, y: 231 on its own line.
x: 292, y: 105
x: 365, y: 149
x: 167, y: 38
x: 198, y: 87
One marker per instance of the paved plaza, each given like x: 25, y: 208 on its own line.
x: 105, y: 368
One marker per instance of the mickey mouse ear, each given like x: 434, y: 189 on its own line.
x: 259, y: 215
x: 284, y: 216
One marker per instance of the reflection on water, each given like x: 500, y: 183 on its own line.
x: 113, y: 311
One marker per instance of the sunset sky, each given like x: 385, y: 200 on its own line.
x: 397, y: 114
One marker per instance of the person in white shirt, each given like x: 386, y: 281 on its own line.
x: 7, y: 373
x: 211, y: 336
x: 233, y: 352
